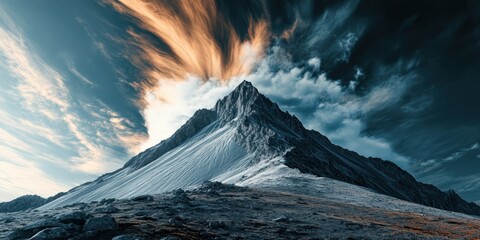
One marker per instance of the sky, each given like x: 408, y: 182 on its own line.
x: 85, y: 85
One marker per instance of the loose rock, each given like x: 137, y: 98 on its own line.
x: 104, y: 223
x: 146, y: 198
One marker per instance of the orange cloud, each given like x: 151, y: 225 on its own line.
x: 189, y: 29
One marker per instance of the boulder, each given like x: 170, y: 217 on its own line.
x: 76, y: 217
x: 99, y: 224
x: 51, y: 233
x: 30, y: 229
x: 42, y: 224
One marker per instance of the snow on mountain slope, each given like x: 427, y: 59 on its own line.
x: 203, y: 157
x: 285, y: 179
x: 247, y: 140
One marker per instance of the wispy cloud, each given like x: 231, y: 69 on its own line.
x: 96, y: 39
x: 80, y: 76
x: 33, y: 84
x: 39, y: 85
x: 41, y: 124
x: 433, y: 164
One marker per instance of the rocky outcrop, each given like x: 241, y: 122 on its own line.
x: 22, y: 203
x: 26, y: 202
x: 75, y: 224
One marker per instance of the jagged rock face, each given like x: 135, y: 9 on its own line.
x: 264, y: 126
x: 244, y: 128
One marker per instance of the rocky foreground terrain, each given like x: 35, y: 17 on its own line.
x: 218, y: 211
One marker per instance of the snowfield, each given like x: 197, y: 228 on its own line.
x: 206, y: 156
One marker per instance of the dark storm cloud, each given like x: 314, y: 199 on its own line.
x: 431, y: 46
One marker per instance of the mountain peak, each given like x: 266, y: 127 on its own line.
x: 245, y: 84
x: 239, y: 102
x: 245, y: 90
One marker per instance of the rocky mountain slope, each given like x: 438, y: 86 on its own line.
x: 22, y: 203
x: 26, y: 202
x: 247, y: 140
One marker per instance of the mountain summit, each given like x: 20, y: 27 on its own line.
x: 246, y: 139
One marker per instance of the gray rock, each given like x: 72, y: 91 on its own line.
x: 180, y: 196
x: 146, y: 198
x: 106, y: 201
x: 76, y: 217
x: 72, y: 228
x: 107, y: 209
x: 104, y: 223
x: 31, y: 229
x: 42, y: 224
x: 213, y: 188
x: 128, y: 237
x: 82, y: 206
x: 85, y: 236
x: 51, y: 233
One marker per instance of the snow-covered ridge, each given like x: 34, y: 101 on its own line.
x: 247, y: 140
